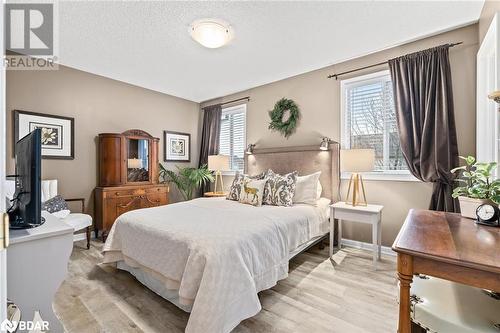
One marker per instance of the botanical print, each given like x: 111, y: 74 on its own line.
x: 57, y: 132
x: 49, y: 136
x: 177, y: 147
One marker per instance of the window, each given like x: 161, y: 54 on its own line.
x: 232, y: 136
x: 369, y: 121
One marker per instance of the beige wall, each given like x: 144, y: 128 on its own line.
x: 98, y: 105
x: 489, y: 9
x: 319, y: 100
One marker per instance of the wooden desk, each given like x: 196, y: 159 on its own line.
x: 447, y: 246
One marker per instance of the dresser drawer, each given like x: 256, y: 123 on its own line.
x: 159, y: 189
x: 155, y: 199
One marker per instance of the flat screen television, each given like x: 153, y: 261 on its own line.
x: 26, y: 209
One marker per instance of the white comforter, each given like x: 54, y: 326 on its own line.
x: 217, y: 253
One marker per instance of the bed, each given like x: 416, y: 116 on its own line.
x: 211, y: 256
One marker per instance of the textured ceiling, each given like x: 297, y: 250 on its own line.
x: 148, y: 44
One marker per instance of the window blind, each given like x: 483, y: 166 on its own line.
x: 232, y: 136
x: 371, y: 121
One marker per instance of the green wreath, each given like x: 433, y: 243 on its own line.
x: 287, y: 126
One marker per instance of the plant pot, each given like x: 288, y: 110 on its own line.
x: 468, y: 206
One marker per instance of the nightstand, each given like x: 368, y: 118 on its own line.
x: 214, y: 194
x: 370, y: 214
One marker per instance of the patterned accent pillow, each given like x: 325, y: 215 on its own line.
x: 252, y: 191
x: 55, y: 204
x: 280, y: 189
x: 236, y: 186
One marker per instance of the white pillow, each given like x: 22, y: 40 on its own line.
x: 320, y: 190
x: 62, y: 214
x: 306, y: 190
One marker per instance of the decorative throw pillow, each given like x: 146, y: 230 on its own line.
x: 252, y: 191
x: 307, y: 189
x: 55, y: 204
x: 280, y: 189
x: 236, y: 186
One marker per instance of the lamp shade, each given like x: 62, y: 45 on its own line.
x: 134, y: 163
x: 357, y: 160
x: 218, y: 162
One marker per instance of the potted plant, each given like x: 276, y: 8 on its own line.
x: 477, y: 186
x: 187, y: 179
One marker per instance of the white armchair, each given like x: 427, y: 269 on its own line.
x: 78, y: 221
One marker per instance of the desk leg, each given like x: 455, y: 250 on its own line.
x: 405, y: 276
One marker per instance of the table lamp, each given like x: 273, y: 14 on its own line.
x: 218, y: 163
x: 356, y: 161
x: 134, y: 163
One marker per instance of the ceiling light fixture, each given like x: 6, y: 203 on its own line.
x: 211, y: 33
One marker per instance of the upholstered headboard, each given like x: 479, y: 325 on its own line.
x: 304, y: 159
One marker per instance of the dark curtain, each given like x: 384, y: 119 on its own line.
x: 423, y: 98
x: 210, y: 136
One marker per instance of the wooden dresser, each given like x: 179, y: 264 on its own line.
x: 446, y: 246
x: 128, y: 177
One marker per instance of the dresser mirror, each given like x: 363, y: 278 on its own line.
x: 137, y: 160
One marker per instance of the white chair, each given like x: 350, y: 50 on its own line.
x: 78, y: 221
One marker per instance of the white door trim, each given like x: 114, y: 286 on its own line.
x: 3, y: 137
x: 488, y: 80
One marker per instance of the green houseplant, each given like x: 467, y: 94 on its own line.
x: 476, y: 185
x: 187, y: 179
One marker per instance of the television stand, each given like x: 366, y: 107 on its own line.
x: 37, y: 263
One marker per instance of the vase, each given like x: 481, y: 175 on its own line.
x: 468, y: 206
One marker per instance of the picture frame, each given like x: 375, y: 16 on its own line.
x: 58, y: 133
x: 176, y: 147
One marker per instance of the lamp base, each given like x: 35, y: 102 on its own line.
x: 218, y: 177
x: 355, y: 182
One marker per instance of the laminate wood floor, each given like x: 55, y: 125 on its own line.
x: 344, y: 295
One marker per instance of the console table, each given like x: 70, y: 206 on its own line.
x: 446, y: 246
x: 37, y: 263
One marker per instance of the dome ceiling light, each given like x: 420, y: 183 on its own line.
x: 211, y: 33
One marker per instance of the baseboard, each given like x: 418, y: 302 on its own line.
x: 366, y: 246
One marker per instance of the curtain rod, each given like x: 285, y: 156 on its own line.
x: 336, y: 76
x: 233, y: 101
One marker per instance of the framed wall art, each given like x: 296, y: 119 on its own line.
x: 58, y: 133
x: 177, y: 146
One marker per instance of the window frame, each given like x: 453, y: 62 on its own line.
x: 393, y: 175
x: 232, y: 110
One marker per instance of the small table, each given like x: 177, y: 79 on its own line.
x: 447, y: 246
x: 370, y: 214
x: 214, y: 194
